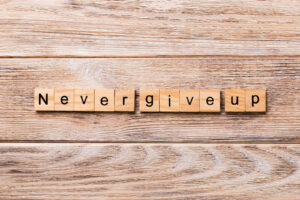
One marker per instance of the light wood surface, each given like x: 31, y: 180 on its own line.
x: 124, y: 100
x: 255, y: 100
x: 104, y: 100
x: 63, y: 99
x: 84, y: 100
x: 149, y: 171
x: 235, y: 100
x: 210, y: 100
x: 169, y: 100
x: 43, y: 99
x: 149, y: 100
x: 189, y: 101
x: 149, y: 28
x: 131, y: 44
x: 280, y: 76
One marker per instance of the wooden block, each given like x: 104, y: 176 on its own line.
x: 235, y: 100
x: 84, y: 100
x: 104, y: 100
x: 149, y: 100
x: 43, y: 99
x: 210, y: 101
x: 63, y: 99
x: 169, y: 100
x: 189, y: 101
x: 124, y: 100
x: 255, y: 100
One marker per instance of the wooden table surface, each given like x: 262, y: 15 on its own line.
x: 150, y: 44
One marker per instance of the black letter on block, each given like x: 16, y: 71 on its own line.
x: 257, y: 99
x: 236, y: 102
x: 44, y: 100
x: 210, y: 101
x: 83, y: 101
x: 189, y: 102
x: 124, y: 98
x: 149, y: 103
x: 104, y: 101
x: 169, y: 101
x: 64, y: 100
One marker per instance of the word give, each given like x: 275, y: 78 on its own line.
x: 109, y: 100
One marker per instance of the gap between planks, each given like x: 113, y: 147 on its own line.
x: 158, y: 56
x: 140, y: 142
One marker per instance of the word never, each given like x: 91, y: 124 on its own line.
x: 109, y: 100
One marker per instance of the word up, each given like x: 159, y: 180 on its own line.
x: 109, y: 100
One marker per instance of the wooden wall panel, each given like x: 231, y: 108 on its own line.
x: 149, y: 28
x: 149, y: 171
x: 280, y: 76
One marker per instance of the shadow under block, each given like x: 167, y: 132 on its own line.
x: 210, y: 101
x: 149, y: 100
x: 235, y: 100
x: 189, y: 101
x: 104, y: 100
x: 169, y: 100
x: 64, y: 99
x: 124, y: 100
x: 43, y: 99
x: 255, y: 100
x: 84, y: 100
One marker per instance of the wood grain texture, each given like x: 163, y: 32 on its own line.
x: 178, y: 44
x: 280, y: 76
x: 189, y: 101
x: 149, y: 28
x: 104, y: 100
x: 43, y: 99
x: 235, y: 100
x: 255, y: 100
x: 84, y: 100
x: 63, y: 99
x: 210, y: 100
x: 149, y: 171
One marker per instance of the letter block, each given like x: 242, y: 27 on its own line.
x: 104, y: 100
x: 255, y: 100
x: 189, y: 101
x: 169, y: 100
x: 235, y: 100
x: 84, y: 100
x: 44, y: 99
x: 210, y: 101
x: 64, y: 99
x: 124, y: 100
x: 149, y: 100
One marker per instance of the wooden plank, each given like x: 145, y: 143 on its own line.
x: 149, y: 171
x: 280, y: 76
x: 149, y: 28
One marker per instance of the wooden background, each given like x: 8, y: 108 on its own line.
x: 150, y: 44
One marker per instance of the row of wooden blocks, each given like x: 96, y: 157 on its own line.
x: 109, y: 100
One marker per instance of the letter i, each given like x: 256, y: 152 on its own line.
x: 169, y: 101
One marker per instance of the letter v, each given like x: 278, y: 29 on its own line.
x: 83, y: 101
x: 189, y: 102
